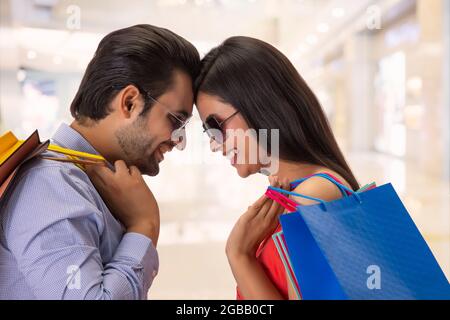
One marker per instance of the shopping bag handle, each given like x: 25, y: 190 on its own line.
x: 287, y: 203
x: 296, y: 194
x: 327, y: 176
x: 321, y: 202
x: 75, y: 153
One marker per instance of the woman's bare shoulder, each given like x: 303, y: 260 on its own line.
x: 320, y: 188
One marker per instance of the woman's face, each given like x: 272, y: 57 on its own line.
x: 238, y: 145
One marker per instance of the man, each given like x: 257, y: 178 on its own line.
x: 58, y: 239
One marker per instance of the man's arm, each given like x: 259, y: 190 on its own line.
x: 53, y: 229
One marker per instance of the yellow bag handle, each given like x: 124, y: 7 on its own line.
x: 75, y: 153
x: 9, y: 144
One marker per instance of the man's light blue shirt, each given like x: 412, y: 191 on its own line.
x: 58, y: 240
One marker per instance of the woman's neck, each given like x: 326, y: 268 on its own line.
x: 289, y: 170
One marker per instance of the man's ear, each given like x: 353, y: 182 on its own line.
x: 130, y: 101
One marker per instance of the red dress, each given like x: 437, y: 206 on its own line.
x: 268, y: 257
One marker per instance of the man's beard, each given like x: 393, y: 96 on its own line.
x: 137, y: 147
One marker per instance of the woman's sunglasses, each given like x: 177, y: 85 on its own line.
x: 214, y: 127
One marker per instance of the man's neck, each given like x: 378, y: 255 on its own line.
x: 95, y: 135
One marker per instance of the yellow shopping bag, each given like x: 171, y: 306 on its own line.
x: 14, y: 153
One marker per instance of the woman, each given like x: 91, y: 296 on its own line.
x: 246, y: 84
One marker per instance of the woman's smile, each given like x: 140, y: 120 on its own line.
x: 232, y: 155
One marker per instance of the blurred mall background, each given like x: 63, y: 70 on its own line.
x: 380, y: 68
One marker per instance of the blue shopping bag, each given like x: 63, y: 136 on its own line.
x: 363, y: 246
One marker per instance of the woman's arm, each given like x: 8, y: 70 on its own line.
x: 251, y: 279
x: 259, y: 221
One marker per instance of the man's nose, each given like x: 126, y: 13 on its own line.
x: 179, y: 139
x: 214, y: 145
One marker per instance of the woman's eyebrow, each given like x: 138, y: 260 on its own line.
x: 213, y: 115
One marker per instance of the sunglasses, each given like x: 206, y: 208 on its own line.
x: 178, y: 125
x: 214, y: 128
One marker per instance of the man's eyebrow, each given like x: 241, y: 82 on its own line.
x: 183, y: 114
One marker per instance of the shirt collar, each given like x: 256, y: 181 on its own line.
x: 69, y: 138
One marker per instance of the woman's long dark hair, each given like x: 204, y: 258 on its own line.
x: 260, y: 82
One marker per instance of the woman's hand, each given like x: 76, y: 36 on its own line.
x: 128, y: 197
x: 258, y: 222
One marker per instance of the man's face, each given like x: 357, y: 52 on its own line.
x: 144, y: 141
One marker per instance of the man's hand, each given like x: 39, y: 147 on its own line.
x: 128, y: 197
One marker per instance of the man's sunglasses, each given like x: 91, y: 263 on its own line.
x: 214, y: 127
x: 178, y: 124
